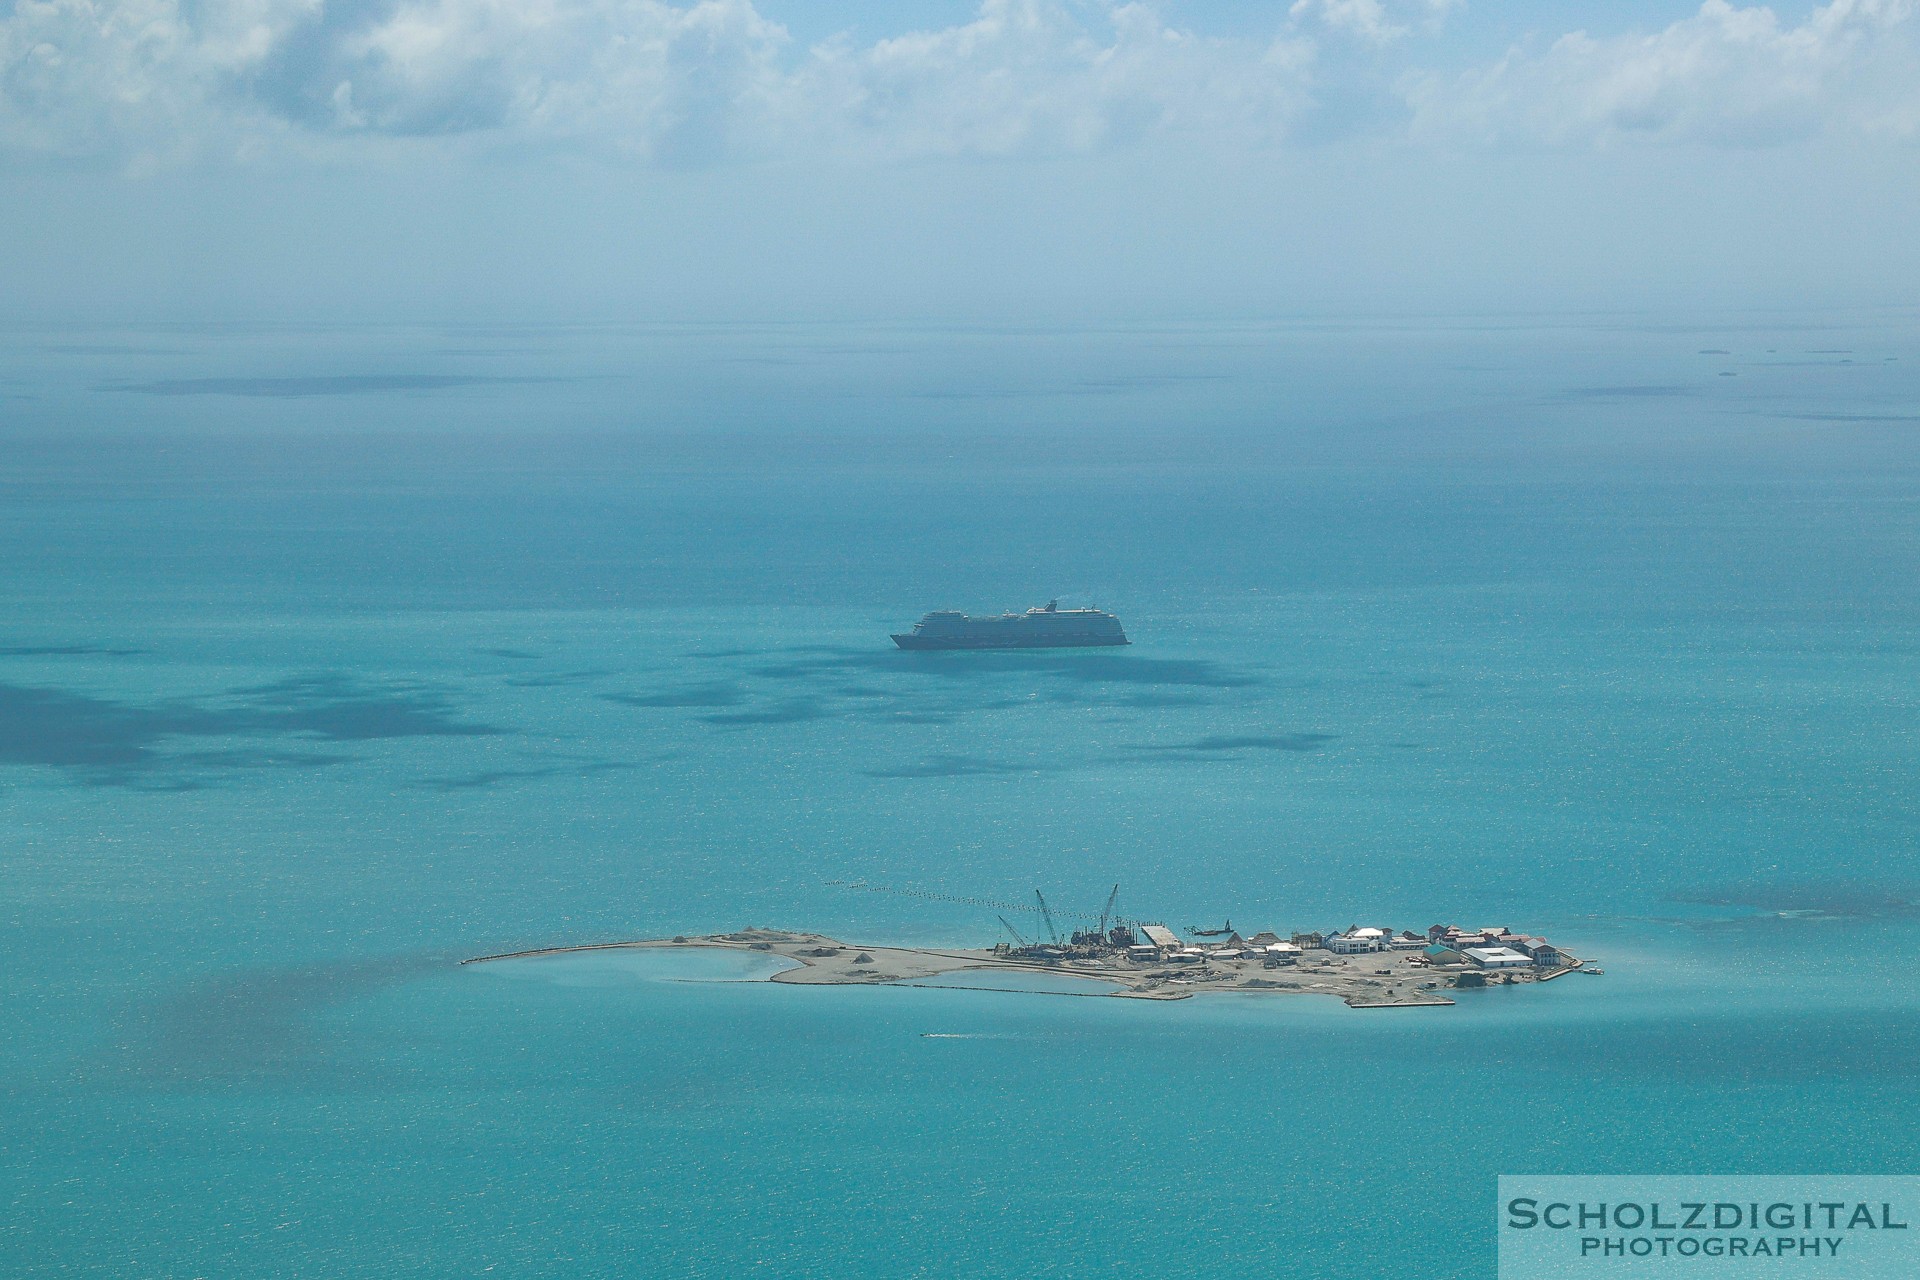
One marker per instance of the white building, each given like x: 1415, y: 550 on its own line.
x: 1357, y: 942
x: 1498, y: 957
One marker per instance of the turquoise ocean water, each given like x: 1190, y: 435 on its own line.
x: 335, y: 656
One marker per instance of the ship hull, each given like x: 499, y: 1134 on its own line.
x: 1010, y: 642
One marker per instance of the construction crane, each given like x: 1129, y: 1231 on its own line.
x: 1018, y: 940
x: 1112, y: 899
x: 1047, y: 916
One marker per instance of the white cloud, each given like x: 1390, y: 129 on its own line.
x: 686, y: 84
x: 76, y: 72
x: 1725, y: 75
x: 1375, y: 21
x: 1025, y: 77
x: 701, y: 83
x: 81, y: 77
x: 652, y: 78
x: 706, y: 81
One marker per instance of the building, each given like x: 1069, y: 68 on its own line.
x: 1310, y: 941
x: 1160, y: 936
x: 1279, y: 953
x: 1356, y: 942
x: 1545, y: 955
x: 1498, y: 958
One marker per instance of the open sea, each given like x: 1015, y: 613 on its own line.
x: 333, y: 656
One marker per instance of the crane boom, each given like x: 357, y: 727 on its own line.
x: 1112, y: 898
x: 1047, y: 915
x: 1015, y: 932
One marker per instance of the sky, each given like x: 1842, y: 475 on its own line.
x: 1046, y: 161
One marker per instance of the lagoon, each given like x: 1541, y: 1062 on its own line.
x: 313, y: 687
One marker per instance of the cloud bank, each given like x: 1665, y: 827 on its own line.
x: 693, y: 84
x: 150, y: 81
x: 1725, y: 76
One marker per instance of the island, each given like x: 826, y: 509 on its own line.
x: 1367, y: 968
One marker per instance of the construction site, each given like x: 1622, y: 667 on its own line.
x: 1366, y: 966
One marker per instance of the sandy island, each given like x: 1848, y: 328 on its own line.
x: 1384, y: 980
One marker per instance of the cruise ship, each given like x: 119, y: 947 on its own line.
x: 1048, y: 628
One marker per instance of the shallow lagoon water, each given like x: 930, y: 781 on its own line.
x: 623, y: 968
x: 1061, y: 984
x: 313, y: 688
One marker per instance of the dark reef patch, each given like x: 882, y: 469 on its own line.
x: 787, y: 711
x: 954, y: 766
x: 487, y: 778
x: 107, y: 349
x: 66, y: 651
x: 1079, y: 667
x: 337, y: 708
x: 1221, y: 744
x: 887, y: 687
x: 1149, y: 699
x: 702, y: 695
x: 301, y: 388
x: 1811, y: 901
x: 1861, y: 418
x: 558, y: 680
x: 104, y: 742
x: 1643, y: 392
